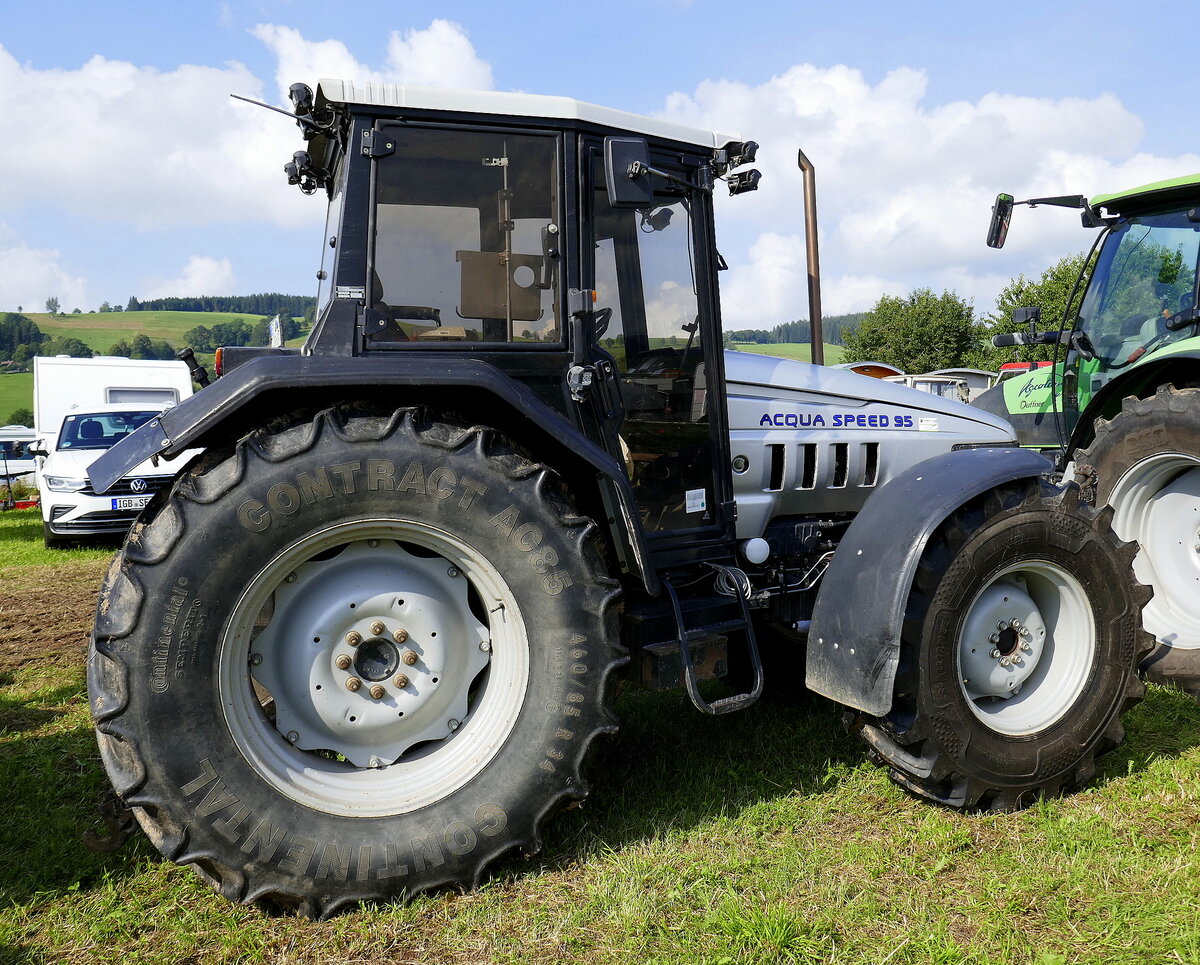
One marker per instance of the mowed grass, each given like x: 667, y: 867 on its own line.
x: 794, y: 350
x: 762, y: 837
x: 99, y: 331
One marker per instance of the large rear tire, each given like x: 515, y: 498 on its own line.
x: 358, y: 657
x: 1146, y: 462
x: 1018, y: 653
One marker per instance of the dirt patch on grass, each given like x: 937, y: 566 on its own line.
x: 46, y: 613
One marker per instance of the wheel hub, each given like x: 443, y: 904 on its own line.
x: 376, y: 659
x: 333, y: 628
x: 1002, y: 640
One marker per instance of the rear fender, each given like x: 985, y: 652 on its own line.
x: 265, y: 387
x: 854, y: 641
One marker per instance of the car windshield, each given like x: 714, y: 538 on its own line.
x: 1145, y: 276
x: 99, y: 430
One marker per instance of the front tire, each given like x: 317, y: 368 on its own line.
x: 359, y: 657
x: 1018, y: 653
x: 1146, y: 462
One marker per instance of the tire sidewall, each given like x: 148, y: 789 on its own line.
x: 198, y: 775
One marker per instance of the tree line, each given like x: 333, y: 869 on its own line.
x: 265, y: 303
x: 924, y: 332
x: 833, y: 329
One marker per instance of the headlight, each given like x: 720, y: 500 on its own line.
x: 64, y: 484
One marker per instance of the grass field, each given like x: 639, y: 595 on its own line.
x: 762, y: 837
x: 794, y: 350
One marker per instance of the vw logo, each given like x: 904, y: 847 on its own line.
x: 138, y: 485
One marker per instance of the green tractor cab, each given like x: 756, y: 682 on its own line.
x: 1120, y: 406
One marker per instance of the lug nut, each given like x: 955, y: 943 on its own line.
x: 994, y: 638
x: 452, y: 572
x: 1005, y: 661
x: 400, y: 635
x: 400, y: 680
x: 1026, y: 647
x: 353, y: 683
x: 256, y: 659
x: 377, y: 691
x: 1015, y: 624
x: 485, y: 646
x: 378, y: 628
x: 409, y: 657
x: 290, y: 578
x: 1002, y: 625
x: 354, y: 638
x: 452, y: 724
x: 343, y: 662
x: 996, y: 654
x: 372, y: 543
x: 292, y: 736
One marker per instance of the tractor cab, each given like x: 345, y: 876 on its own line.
x: 566, y: 245
x: 1135, y: 303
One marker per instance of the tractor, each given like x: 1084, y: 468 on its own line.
x: 1119, y: 410
x: 362, y: 647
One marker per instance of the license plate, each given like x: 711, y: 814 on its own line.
x: 129, y: 502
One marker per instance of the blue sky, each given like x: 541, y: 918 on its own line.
x: 130, y: 173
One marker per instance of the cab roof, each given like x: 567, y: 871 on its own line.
x: 1174, y: 190
x: 492, y: 102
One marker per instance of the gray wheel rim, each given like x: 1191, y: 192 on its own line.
x: 390, y: 745
x: 1026, y: 648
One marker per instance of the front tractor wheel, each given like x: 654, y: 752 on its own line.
x: 1018, y: 655
x: 1147, y: 467
x: 355, y: 659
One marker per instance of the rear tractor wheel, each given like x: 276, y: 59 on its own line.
x: 1147, y: 467
x: 352, y: 660
x: 1018, y: 653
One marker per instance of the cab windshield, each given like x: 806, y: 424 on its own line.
x: 99, y: 430
x: 1144, y: 277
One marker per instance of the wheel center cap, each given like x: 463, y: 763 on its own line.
x: 376, y: 659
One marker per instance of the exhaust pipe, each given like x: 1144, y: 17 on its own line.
x: 811, y: 256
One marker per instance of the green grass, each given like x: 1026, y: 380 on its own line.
x: 21, y: 544
x: 794, y: 350
x: 762, y: 837
x: 16, y: 392
x: 101, y: 330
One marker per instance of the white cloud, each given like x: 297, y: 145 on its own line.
x: 905, y: 187
x: 28, y: 276
x: 200, y: 276
x: 439, y: 56
x: 154, y: 149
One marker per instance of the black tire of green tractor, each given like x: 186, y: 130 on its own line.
x: 932, y: 741
x: 1167, y: 421
x: 167, y: 716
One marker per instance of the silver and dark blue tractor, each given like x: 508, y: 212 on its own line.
x: 362, y: 647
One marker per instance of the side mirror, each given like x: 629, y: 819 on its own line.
x: 627, y: 172
x: 1001, y: 215
x: 34, y: 451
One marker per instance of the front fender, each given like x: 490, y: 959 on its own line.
x: 267, y: 386
x: 854, y: 640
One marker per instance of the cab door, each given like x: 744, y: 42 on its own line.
x: 657, y: 327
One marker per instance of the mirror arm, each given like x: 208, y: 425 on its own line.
x: 639, y: 169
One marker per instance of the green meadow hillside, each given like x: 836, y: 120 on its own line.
x: 99, y: 331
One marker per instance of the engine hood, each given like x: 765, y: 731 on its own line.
x: 799, y: 382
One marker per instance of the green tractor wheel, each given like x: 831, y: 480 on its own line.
x: 1147, y: 467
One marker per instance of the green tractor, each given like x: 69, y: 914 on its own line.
x: 1120, y: 406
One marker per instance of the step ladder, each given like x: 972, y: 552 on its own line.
x: 683, y: 636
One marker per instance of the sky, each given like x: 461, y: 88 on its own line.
x: 130, y: 172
